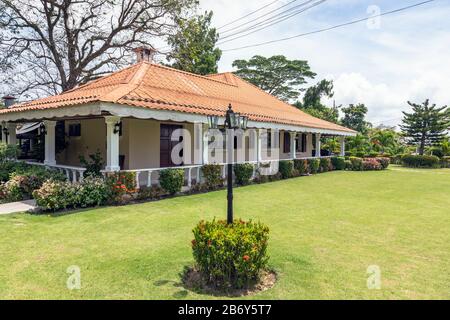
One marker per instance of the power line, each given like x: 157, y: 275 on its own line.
x: 261, y: 16
x: 330, y: 28
x: 270, y: 19
x: 248, y: 15
x: 271, y: 23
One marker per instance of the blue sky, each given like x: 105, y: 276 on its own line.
x: 406, y: 58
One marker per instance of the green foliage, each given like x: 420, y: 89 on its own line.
x: 354, y: 117
x: 8, y: 152
x: 426, y: 125
x: 194, y: 45
x: 301, y: 165
x: 314, y: 165
x: 370, y: 164
x: 19, y: 180
x: 420, y: 161
x: 312, y: 102
x: 212, y: 175
x: 93, y: 165
x: 325, y: 164
x: 276, y: 75
x: 230, y: 255
x: 286, y: 168
x: 348, y: 165
x: 243, y: 173
x: 357, y: 163
x: 338, y: 163
x: 171, y: 180
x: 445, y: 162
x: 58, y: 195
x: 93, y: 192
x: 121, y: 186
x: 152, y: 193
x: 384, y: 162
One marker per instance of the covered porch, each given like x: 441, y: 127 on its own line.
x: 140, y: 140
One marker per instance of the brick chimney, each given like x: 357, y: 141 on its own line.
x: 145, y: 54
x: 8, y: 101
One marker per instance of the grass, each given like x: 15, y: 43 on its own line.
x: 325, y: 232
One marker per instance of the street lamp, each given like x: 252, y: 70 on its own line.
x: 232, y: 121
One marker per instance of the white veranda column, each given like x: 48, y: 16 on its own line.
x: 198, y: 143
x: 112, y: 144
x: 12, y: 139
x: 259, y: 137
x: 318, y: 146
x: 293, y: 153
x: 342, y: 141
x: 205, y: 145
x: 50, y: 142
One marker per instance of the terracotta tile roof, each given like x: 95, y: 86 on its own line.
x: 158, y: 87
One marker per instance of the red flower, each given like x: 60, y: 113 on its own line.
x: 246, y: 258
x: 209, y: 243
x: 194, y: 242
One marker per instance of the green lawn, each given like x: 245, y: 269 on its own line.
x: 325, y: 231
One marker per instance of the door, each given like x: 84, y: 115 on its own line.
x: 166, y: 144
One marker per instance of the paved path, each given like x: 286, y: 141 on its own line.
x: 20, y: 206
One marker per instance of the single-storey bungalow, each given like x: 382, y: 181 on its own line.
x: 130, y: 115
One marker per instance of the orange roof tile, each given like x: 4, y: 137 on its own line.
x: 158, y: 87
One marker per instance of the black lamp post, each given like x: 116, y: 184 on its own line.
x: 232, y: 121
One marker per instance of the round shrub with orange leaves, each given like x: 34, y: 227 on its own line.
x: 230, y: 255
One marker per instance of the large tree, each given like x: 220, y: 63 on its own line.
x: 194, y: 45
x: 49, y: 46
x: 354, y: 117
x: 426, y: 125
x: 276, y: 75
x: 312, y: 101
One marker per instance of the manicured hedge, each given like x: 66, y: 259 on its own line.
x: 171, y: 180
x: 286, y: 168
x: 301, y: 165
x: 212, y: 176
x: 243, y: 173
x: 325, y: 164
x: 230, y: 255
x: 418, y: 161
x: 313, y: 165
x: 58, y: 195
x: 338, y: 163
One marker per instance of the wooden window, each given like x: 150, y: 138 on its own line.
x: 304, y: 142
x: 287, y: 142
x: 75, y: 130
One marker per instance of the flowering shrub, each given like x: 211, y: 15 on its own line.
x: 286, y: 167
x: 314, y: 165
x: 384, y: 162
x: 325, y: 164
x: 417, y: 161
x: 243, y: 173
x: 357, y: 163
x: 302, y: 166
x: 54, y: 195
x: 121, y: 185
x: 171, y: 180
x: 338, y: 163
x: 212, y: 174
x: 371, y: 164
x: 58, y: 195
x: 152, y: 193
x: 92, y: 192
x: 230, y: 255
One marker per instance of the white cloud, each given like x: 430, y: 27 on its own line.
x: 408, y: 58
